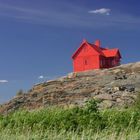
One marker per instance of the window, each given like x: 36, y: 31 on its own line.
x: 112, y: 62
x: 85, y: 62
x: 101, y: 63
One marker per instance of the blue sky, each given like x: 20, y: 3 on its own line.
x: 38, y: 37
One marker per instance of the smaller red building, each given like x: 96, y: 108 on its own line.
x: 92, y: 56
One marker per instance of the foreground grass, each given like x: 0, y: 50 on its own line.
x: 87, y: 123
x: 70, y: 135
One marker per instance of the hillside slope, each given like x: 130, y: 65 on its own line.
x: 114, y: 87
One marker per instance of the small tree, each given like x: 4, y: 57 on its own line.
x: 20, y: 92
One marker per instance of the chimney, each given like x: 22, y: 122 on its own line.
x: 97, y: 43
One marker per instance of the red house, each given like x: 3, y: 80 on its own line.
x: 92, y: 56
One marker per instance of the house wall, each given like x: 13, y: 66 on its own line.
x: 110, y: 62
x: 86, y: 59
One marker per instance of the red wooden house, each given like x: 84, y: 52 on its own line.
x: 92, y: 56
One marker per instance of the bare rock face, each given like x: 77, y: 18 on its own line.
x: 115, y: 87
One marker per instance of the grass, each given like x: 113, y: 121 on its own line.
x: 63, y: 135
x: 87, y: 123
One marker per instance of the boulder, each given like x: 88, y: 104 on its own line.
x: 103, y: 97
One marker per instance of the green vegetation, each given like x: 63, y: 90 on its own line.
x: 20, y: 92
x: 87, y: 123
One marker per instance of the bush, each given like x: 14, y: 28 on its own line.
x: 91, y: 106
x: 20, y: 92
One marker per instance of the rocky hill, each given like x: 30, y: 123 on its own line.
x: 115, y: 87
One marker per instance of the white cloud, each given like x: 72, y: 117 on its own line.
x: 3, y: 81
x: 41, y: 77
x: 103, y: 11
x: 54, y: 16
